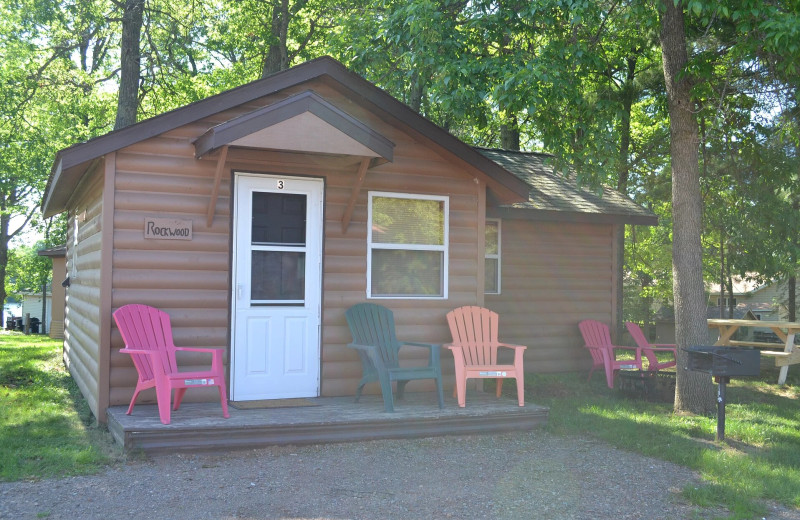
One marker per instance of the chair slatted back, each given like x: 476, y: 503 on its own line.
x: 146, y: 328
x: 595, y: 335
x: 373, y: 324
x: 475, y: 330
x: 638, y: 337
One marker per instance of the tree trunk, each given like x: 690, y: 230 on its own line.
x: 416, y: 92
x: 628, y: 95
x: 509, y: 133
x: 4, y: 239
x: 277, y: 53
x: 694, y: 391
x: 792, y: 303
x: 130, y: 63
x: 721, y: 301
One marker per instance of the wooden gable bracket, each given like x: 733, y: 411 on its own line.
x: 212, y: 204
x: 366, y: 164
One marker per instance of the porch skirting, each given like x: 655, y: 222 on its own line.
x: 201, y: 427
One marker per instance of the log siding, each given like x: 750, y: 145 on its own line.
x: 82, y: 331
x: 553, y: 276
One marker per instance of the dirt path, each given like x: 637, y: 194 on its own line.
x: 510, y: 476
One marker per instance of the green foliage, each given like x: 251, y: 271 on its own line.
x: 27, y: 271
x: 45, y: 427
x: 758, y: 461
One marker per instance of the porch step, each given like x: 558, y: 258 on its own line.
x: 201, y: 427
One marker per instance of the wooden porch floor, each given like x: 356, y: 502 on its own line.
x: 201, y: 427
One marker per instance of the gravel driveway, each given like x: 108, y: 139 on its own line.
x: 514, y: 476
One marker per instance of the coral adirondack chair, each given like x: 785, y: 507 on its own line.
x: 597, y: 339
x: 649, y: 349
x: 147, y: 334
x: 475, y: 346
x: 373, y: 331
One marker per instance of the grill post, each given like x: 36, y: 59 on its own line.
x: 721, y: 363
x: 721, y: 382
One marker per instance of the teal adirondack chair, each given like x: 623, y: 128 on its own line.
x: 372, y: 327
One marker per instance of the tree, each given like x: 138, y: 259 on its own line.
x: 130, y: 63
x: 693, y: 390
x: 52, y: 62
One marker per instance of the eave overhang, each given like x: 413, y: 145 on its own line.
x: 304, y: 122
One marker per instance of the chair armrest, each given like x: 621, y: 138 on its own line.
x: 509, y: 345
x: 372, y: 354
x: 367, y: 348
x: 216, y: 355
x: 435, y: 348
x: 199, y: 349
x: 637, y: 351
x: 415, y: 344
x: 132, y: 351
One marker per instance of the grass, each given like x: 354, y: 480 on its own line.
x: 46, y: 428
x: 759, y: 460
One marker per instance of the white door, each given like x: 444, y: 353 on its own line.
x: 277, y: 272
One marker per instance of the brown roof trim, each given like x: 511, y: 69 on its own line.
x: 568, y: 216
x: 68, y: 166
x: 58, y: 251
x: 288, y: 108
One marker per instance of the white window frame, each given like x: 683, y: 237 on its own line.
x: 444, y: 248
x: 497, y: 256
x: 75, y: 230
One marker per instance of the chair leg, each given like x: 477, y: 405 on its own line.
x: 401, y: 388
x: 133, y: 400
x: 499, y: 386
x: 440, y: 391
x: 179, y: 393
x: 359, y: 390
x: 386, y: 391
x: 521, y: 389
x: 461, y: 391
x: 223, y: 399
x: 610, y: 377
x: 163, y: 394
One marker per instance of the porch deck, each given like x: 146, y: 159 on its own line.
x: 201, y: 427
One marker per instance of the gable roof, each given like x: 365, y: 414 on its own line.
x: 272, y: 124
x: 554, y: 197
x: 72, y: 163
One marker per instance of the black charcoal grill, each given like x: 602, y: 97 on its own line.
x: 723, y: 363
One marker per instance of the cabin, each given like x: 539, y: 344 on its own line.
x: 257, y: 216
x: 54, y: 322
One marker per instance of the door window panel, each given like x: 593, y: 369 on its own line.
x: 279, y: 218
x: 278, y: 276
x: 278, y: 255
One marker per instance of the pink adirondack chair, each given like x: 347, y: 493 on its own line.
x: 649, y: 349
x: 598, y: 340
x: 475, y: 346
x: 147, y: 334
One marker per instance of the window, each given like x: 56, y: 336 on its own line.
x: 74, y: 259
x: 278, y: 255
x: 491, y: 279
x: 407, y: 246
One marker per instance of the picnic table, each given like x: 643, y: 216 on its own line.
x: 784, y: 330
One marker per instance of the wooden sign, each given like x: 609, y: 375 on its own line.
x: 167, y: 229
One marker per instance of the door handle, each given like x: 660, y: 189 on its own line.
x: 239, y: 291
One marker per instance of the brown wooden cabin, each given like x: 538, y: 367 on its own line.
x: 256, y: 217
